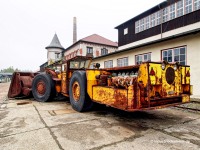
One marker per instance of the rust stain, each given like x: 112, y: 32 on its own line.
x: 21, y: 84
x: 120, y: 100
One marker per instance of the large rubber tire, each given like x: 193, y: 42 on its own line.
x: 80, y: 102
x: 43, y: 87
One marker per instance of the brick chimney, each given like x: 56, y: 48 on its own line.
x: 74, y: 30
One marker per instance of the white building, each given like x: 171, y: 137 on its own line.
x: 169, y: 31
x: 93, y: 45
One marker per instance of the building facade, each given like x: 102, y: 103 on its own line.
x: 93, y: 45
x: 169, y: 31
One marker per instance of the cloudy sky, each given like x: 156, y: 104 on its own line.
x: 28, y: 26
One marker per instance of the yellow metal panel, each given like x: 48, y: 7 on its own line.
x: 167, y: 88
x: 110, y: 96
x: 157, y: 79
x: 183, y: 74
x: 130, y: 96
x: 185, y: 98
x: 143, y: 74
x: 91, y: 80
x: 177, y: 87
x: 64, y: 82
x: 187, y: 78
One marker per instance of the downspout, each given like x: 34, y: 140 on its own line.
x: 161, y: 23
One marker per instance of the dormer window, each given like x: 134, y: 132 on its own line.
x: 175, y: 10
x: 125, y: 31
x: 188, y: 6
x: 196, y: 4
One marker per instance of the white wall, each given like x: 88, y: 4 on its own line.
x: 193, y: 56
x: 72, y: 49
x: 96, y: 47
x: 83, y: 47
x: 51, y: 54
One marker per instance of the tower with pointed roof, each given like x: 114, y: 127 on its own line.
x: 54, y: 50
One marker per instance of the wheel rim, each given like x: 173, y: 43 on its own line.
x: 76, y: 91
x: 41, y: 88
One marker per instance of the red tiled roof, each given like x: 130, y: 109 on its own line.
x: 95, y: 38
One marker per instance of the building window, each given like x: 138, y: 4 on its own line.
x: 172, y: 11
x: 142, y: 58
x: 167, y: 55
x: 89, y: 50
x: 153, y: 20
x: 175, y: 55
x: 179, y: 8
x: 196, y: 4
x: 125, y: 31
x: 158, y: 17
x: 108, y: 64
x: 147, y: 23
x: 57, y: 56
x: 137, y: 26
x: 165, y: 14
x: 142, y: 24
x: 121, y: 62
x: 104, y: 51
x: 188, y: 6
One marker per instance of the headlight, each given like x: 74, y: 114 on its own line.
x: 163, y: 66
x: 175, y: 67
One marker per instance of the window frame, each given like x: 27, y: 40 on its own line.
x: 165, y: 14
x: 141, y: 58
x: 153, y: 20
x: 196, y: 5
x: 104, y: 51
x: 57, y: 56
x: 158, y: 17
x: 180, y: 8
x: 89, y: 49
x: 147, y: 22
x: 109, y: 65
x: 142, y: 24
x: 173, y: 54
x: 137, y: 26
x: 188, y: 6
x: 125, y: 31
x: 122, y: 63
x: 172, y: 11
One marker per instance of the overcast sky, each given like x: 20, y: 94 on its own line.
x: 28, y: 26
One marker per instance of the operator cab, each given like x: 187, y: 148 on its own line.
x: 79, y: 63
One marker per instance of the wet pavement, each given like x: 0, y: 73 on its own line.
x: 27, y: 124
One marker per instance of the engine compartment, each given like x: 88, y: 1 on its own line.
x: 121, y: 78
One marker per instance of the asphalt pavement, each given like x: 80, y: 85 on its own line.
x: 27, y: 124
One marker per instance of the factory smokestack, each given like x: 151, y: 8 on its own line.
x: 74, y: 30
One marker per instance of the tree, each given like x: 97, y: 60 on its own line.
x: 9, y: 70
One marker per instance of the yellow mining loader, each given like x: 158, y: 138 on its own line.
x: 150, y: 85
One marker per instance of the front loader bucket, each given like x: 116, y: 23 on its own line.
x: 21, y: 84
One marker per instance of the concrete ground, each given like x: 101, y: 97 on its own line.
x: 27, y: 124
